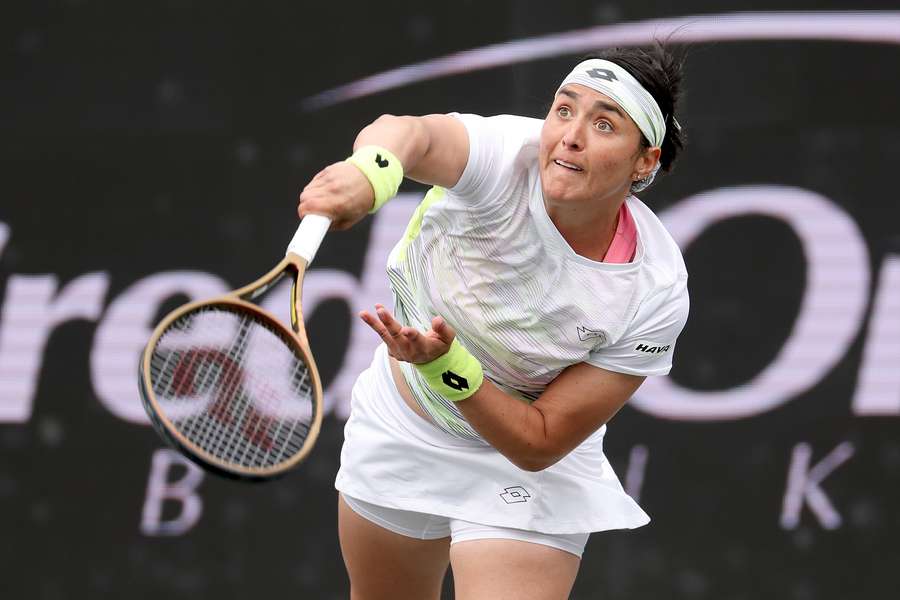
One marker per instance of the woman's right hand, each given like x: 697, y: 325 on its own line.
x: 339, y: 191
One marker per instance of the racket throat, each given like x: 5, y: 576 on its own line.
x: 296, y: 307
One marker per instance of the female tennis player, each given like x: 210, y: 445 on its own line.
x: 533, y: 293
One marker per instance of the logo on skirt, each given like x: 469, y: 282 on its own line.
x: 515, y: 494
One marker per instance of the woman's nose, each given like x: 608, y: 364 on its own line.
x: 572, y: 138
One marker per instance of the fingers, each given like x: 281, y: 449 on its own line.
x: 405, y: 343
x: 443, y: 330
x: 390, y: 323
x: 378, y: 327
x: 384, y: 324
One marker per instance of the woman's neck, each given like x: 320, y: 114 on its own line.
x: 588, y: 229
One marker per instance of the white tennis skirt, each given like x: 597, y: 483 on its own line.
x: 392, y: 457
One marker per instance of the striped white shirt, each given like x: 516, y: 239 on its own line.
x: 486, y: 257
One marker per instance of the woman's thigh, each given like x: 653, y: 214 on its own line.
x: 386, y: 565
x: 500, y: 569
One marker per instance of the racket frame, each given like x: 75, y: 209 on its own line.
x: 239, y: 300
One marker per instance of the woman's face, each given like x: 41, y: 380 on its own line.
x: 590, y: 149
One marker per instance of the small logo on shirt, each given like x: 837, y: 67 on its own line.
x: 647, y: 348
x: 515, y: 495
x: 585, y: 334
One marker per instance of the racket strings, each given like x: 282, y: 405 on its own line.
x: 233, y: 408
x: 198, y: 428
x: 231, y: 385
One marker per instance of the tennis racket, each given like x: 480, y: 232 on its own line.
x: 230, y: 386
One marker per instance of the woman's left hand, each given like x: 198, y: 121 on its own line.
x: 408, y: 343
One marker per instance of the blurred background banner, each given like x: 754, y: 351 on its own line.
x: 152, y: 153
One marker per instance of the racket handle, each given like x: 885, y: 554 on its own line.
x: 308, y: 238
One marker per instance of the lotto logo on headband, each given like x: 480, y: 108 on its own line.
x: 602, y: 74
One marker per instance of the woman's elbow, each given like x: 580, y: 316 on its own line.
x: 404, y: 123
x: 535, y: 462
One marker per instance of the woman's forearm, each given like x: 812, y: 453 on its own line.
x: 534, y: 436
x: 515, y: 428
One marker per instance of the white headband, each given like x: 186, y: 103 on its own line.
x: 612, y: 80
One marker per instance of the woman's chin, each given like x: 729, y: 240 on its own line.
x: 562, y: 194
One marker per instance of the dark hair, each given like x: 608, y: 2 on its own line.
x: 659, y: 71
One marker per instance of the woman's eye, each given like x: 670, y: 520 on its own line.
x: 604, y: 126
x: 563, y: 111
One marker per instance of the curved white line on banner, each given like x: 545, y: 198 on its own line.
x: 831, y: 310
x: 848, y: 26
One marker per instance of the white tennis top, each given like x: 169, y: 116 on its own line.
x: 486, y: 257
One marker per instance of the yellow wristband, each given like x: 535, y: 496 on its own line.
x: 382, y: 169
x: 455, y: 375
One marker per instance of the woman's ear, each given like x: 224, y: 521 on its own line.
x: 646, y: 163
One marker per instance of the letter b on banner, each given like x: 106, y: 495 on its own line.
x: 182, y: 491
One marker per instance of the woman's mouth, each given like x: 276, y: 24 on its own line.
x: 567, y: 165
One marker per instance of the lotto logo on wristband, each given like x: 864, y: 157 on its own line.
x: 452, y: 380
x: 455, y: 375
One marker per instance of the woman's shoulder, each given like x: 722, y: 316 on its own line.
x: 661, y: 252
x: 504, y: 125
x: 502, y: 148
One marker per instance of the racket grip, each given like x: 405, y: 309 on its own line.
x: 309, y: 235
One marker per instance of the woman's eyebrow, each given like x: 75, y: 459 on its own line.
x: 598, y: 104
x: 609, y: 106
